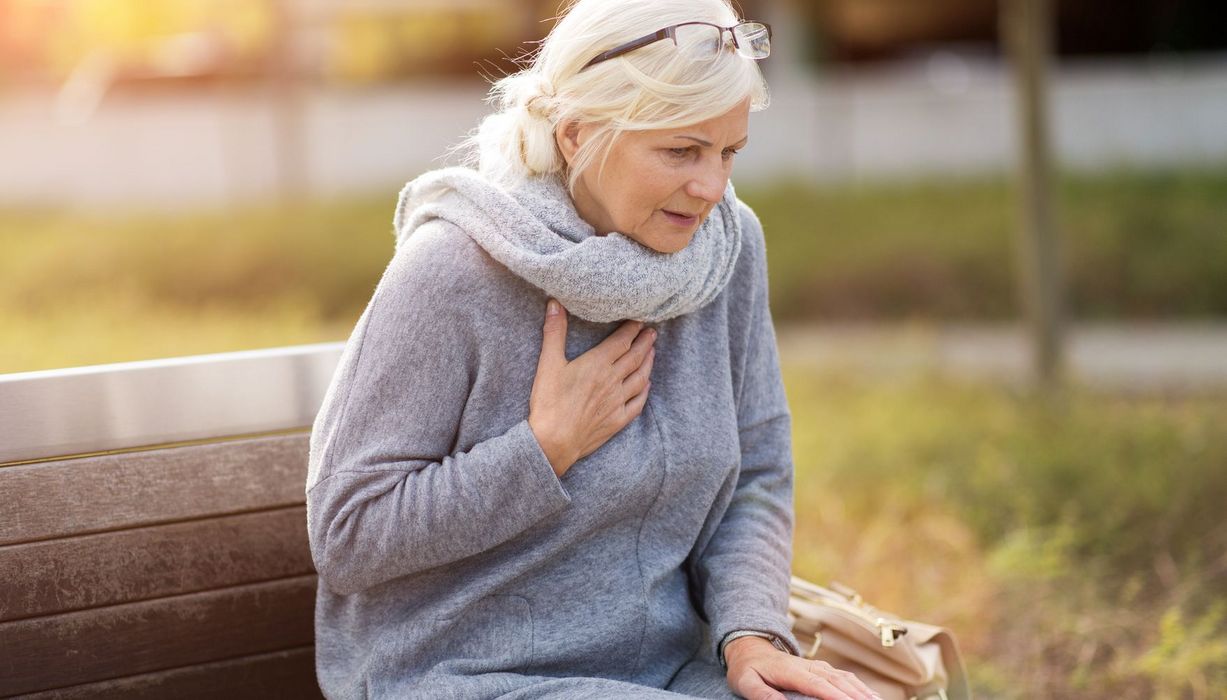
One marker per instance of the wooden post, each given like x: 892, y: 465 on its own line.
x: 1026, y: 27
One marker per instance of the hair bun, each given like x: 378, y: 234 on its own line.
x: 536, y: 96
x: 539, y: 106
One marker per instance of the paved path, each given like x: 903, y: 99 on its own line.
x: 1146, y: 357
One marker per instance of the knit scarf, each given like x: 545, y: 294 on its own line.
x: 533, y: 229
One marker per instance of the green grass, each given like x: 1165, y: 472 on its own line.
x: 1077, y: 545
x: 1140, y: 245
x: 78, y: 290
x: 119, y: 327
x: 1136, y: 245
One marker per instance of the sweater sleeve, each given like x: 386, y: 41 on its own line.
x: 746, y: 567
x: 388, y: 493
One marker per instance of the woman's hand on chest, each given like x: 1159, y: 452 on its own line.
x: 576, y: 406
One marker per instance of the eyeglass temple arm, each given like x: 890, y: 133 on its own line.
x: 631, y: 46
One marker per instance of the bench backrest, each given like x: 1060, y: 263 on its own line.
x: 177, y: 571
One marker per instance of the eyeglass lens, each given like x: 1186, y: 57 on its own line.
x: 704, y: 41
x: 699, y: 41
x: 753, y: 40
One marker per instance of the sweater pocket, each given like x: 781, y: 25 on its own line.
x: 495, y: 633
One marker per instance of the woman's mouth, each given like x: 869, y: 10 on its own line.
x: 680, y: 219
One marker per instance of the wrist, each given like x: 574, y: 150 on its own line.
x: 741, y: 645
x: 735, y: 636
x: 553, y: 450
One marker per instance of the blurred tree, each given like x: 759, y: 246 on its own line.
x: 54, y: 36
x: 387, y: 40
x: 1027, y: 27
x: 133, y: 29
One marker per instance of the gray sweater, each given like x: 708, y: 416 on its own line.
x: 453, y: 563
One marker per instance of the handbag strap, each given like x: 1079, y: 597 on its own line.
x: 959, y: 688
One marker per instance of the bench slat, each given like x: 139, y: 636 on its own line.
x: 42, y: 578
x: 111, y: 492
x: 123, y: 640
x: 282, y: 674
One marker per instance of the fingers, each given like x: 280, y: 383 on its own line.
x: 636, y: 354
x: 850, y: 684
x: 619, y: 342
x: 822, y: 688
x: 635, y: 406
x: 636, y: 380
x: 553, y: 337
x: 818, y: 679
x: 831, y: 683
x: 827, y: 690
x: 753, y: 687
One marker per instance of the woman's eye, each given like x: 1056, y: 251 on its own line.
x: 684, y: 152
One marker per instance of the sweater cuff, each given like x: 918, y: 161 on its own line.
x: 779, y: 629
x: 776, y: 641
x: 544, y: 482
x: 737, y: 634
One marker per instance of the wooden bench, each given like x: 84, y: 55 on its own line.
x: 178, y: 571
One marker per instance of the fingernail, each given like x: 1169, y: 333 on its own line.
x: 551, y: 309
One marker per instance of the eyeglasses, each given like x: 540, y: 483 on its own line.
x: 702, y: 40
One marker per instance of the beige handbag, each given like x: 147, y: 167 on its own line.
x: 899, y: 659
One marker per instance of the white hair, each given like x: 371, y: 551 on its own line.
x: 653, y: 87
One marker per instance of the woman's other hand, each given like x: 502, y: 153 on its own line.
x: 577, y: 406
x: 759, y: 671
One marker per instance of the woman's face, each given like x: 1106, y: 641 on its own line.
x: 657, y: 186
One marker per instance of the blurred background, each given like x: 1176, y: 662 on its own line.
x: 1002, y: 311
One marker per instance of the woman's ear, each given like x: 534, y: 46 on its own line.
x: 567, y: 136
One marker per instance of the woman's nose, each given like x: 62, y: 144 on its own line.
x: 708, y: 185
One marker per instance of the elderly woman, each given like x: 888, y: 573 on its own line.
x: 555, y: 458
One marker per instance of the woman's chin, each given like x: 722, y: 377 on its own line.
x: 670, y: 243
